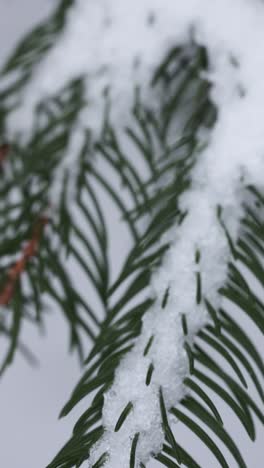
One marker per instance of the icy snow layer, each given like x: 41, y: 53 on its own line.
x: 113, y: 43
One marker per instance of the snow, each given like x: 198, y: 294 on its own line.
x: 117, y: 45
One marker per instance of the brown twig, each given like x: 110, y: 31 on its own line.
x: 30, y: 250
x: 4, y: 150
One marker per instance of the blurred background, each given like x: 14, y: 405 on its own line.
x: 31, y: 398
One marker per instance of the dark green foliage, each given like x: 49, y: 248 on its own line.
x: 184, y: 324
x: 123, y: 416
x: 198, y: 288
x: 31, y: 49
x: 190, y: 357
x: 149, y: 374
x: 149, y: 344
x: 122, y: 322
x: 133, y: 451
x: 149, y: 208
x: 28, y: 54
x: 101, y: 461
x: 165, y: 298
x: 166, y: 427
x: 28, y: 175
x: 199, y: 391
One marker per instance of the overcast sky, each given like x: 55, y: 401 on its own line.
x: 30, y: 399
